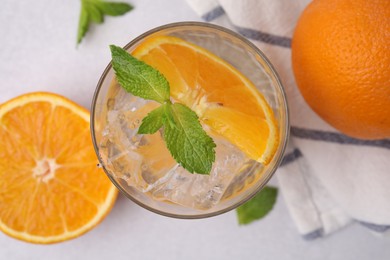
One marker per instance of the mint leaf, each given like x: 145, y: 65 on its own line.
x: 153, y: 121
x: 168, y: 116
x: 138, y: 78
x: 83, y: 24
x: 188, y: 143
x: 114, y: 9
x: 94, y: 11
x: 257, y: 207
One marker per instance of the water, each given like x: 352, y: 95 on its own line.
x: 144, y: 163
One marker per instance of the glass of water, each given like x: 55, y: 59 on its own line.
x: 140, y: 165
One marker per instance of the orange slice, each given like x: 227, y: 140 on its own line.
x: 224, y: 99
x: 51, y: 189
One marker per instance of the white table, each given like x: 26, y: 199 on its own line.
x: 38, y: 52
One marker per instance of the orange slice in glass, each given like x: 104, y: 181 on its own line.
x: 224, y: 99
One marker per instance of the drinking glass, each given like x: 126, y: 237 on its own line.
x: 245, y: 183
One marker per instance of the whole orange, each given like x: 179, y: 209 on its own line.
x: 341, y: 63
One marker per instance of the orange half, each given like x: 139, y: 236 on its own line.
x: 51, y: 189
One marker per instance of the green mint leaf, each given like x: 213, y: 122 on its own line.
x: 153, y: 121
x: 138, y: 78
x: 115, y: 9
x: 188, y: 143
x: 93, y: 11
x: 168, y: 116
x: 257, y: 207
x: 83, y: 24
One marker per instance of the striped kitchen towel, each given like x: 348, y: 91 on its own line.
x: 328, y: 180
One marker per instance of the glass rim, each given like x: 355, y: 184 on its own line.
x: 279, y: 86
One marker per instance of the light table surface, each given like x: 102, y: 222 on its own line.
x: 38, y: 52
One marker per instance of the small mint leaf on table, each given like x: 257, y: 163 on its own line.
x: 188, y: 143
x: 257, y: 207
x: 139, y: 78
x: 114, y: 9
x: 83, y: 24
x: 184, y: 136
x: 94, y: 11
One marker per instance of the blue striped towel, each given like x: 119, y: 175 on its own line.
x: 328, y: 180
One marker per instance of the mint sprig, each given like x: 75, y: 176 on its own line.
x: 94, y: 11
x: 257, y: 207
x: 184, y: 136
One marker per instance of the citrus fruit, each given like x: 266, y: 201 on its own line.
x: 51, y: 189
x: 341, y: 59
x: 224, y: 99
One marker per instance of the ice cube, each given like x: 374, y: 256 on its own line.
x: 201, y: 191
x: 126, y: 166
x: 127, y: 102
x: 122, y: 124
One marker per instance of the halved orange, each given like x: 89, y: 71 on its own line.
x: 224, y: 99
x: 51, y: 189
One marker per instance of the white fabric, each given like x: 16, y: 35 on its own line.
x: 331, y: 183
